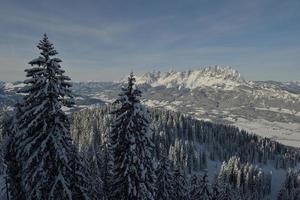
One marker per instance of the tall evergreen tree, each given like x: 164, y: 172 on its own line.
x: 133, y: 175
x: 13, y: 168
x: 195, y: 188
x: 106, y: 168
x: 49, y: 162
x: 215, y: 190
x: 165, y: 180
x: 205, y: 193
x: 226, y: 193
x: 92, y: 157
x: 93, y: 174
x: 180, y: 186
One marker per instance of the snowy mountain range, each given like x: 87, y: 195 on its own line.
x: 216, y: 77
x: 216, y: 94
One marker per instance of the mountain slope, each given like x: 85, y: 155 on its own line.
x: 220, y: 95
x: 216, y: 94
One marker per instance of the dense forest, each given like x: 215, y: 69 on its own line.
x: 189, y: 142
x: 188, y: 145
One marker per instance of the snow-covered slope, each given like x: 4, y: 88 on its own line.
x: 268, y: 108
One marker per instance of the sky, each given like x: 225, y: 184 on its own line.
x: 103, y: 40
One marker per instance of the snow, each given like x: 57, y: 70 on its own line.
x: 40, y: 60
x: 279, y: 110
x: 102, y: 97
x: 79, y: 98
x: 13, y: 86
x: 285, y: 133
x: 216, y: 77
x: 162, y: 104
x: 172, y: 108
x: 156, y: 103
x: 176, y: 103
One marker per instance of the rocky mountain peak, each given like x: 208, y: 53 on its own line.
x: 215, y: 76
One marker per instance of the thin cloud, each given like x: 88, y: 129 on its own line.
x: 105, y: 33
x: 162, y: 34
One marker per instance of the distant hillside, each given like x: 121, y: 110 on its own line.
x: 217, y: 94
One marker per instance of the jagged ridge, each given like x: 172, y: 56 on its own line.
x: 223, y: 77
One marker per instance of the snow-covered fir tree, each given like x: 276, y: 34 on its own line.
x: 49, y: 162
x: 133, y: 175
x: 165, y: 179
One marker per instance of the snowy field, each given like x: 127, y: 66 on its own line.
x: 285, y: 133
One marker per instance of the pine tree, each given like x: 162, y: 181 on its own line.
x: 133, y: 175
x: 245, y: 179
x: 215, y: 190
x: 13, y: 171
x: 195, y: 188
x: 92, y: 158
x: 180, y: 186
x: 165, y: 180
x: 106, y: 169
x: 204, y: 190
x: 49, y: 161
x: 79, y: 180
x: 226, y: 193
x: 93, y: 174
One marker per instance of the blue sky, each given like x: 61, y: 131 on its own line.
x: 105, y: 40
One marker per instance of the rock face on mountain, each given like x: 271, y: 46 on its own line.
x: 217, y: 94
x: 217, y: 77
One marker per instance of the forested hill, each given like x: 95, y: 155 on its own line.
x: 190, y: 143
